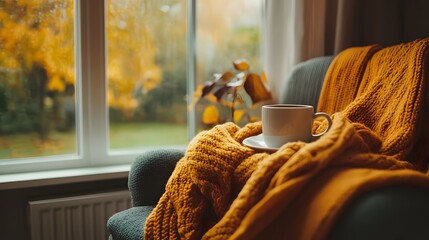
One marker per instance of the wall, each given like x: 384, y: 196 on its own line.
x: 13, y: 203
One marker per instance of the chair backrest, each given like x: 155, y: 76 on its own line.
x: 304, y: 83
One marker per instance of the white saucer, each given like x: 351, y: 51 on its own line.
x: 257, y: 142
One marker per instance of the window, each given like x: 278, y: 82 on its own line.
x: 87, y: 83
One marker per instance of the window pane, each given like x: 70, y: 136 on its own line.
x: 146, y: 57
x: 37, y: 78
x: 226, y: 31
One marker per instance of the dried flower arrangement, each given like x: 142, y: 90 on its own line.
x: 232, y: 97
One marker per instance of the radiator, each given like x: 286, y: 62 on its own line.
x: 75, y: 218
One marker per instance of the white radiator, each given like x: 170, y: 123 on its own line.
x: 75, y: 218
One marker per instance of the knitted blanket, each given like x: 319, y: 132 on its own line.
x: 221, y: 189
x: 384, y: 89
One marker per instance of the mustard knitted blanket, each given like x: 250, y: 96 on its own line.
x: 221, y: 189
x: 390, y: 96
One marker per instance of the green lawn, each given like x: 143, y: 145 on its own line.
x: 122, y: 135
x: 148, y: 134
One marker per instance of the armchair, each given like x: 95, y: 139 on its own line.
x: 394, y: 212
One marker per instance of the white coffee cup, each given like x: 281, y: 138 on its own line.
x: 282, y: 123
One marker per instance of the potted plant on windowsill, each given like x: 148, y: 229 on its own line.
x: 231, y: 97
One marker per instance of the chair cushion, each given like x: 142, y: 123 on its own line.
x: 305, y: 81
x: 129, y: 224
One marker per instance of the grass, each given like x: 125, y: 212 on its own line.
x: 122, y: 136
x: 148, y: 134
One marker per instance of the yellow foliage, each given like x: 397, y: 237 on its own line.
x: 130, y: 59
x: 241, y: 64
x: 38, y: 33
x: 264, y: 77
x: 151, y: 78
x: 42, y: 33
x: 212, y: 98
x: 198, y: 91
x: 227, y: 104
x: 228, y: 95
x: 254, y: 118
x: 55, y: 84
x: 11, y: 63
x: 210, y: 115
x: 238, y: 114
x: 256, y: 88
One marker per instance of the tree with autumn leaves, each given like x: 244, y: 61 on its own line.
x: 37, y: 59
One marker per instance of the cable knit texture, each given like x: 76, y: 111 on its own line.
x: 221, y: 189
x: 347, y: 69
x: 389, y: 95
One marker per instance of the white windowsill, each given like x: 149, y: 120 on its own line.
x: 48, y: 178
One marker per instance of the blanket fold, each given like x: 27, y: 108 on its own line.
x: 221, y: 189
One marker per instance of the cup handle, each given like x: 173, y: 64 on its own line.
x: 327, y: 117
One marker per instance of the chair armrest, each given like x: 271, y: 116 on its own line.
x: 149, y: 174
x: 394, y: 212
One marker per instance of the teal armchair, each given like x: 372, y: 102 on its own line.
x: 395, y: 212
